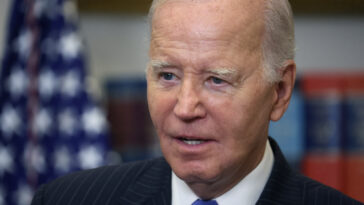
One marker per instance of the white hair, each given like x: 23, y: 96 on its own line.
x: 278, y: 44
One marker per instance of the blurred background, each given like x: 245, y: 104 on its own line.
x: 322, y: 133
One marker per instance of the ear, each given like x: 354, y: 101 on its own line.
x: 283, y: 90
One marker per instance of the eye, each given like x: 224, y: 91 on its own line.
x: 167, y: 76
x: 216, y: 80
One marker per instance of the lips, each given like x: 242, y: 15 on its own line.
x: 192, y: 141
x: 190, y: 147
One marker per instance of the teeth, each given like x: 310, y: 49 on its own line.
x: 192, y: 142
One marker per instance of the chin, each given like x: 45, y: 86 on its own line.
x: 194, y: 172
x: 193, y: 178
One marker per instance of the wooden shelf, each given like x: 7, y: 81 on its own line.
x: 114, y: 6
x: 316, y: 7
x: 328, y: 7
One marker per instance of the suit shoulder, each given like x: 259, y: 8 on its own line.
x: 315, y: 192
x: 84, y: 187
x: 114, y: 171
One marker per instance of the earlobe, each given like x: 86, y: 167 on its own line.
x: 283, y: 90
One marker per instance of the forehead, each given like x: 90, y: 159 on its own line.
x: 234, y: 20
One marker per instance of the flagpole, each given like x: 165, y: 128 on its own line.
x: 32, y: 106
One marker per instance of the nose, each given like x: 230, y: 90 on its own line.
x: 189, y: 106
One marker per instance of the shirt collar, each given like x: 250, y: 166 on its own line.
x: 247, y: 191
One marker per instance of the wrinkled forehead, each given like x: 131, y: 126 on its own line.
x: 209, y: 19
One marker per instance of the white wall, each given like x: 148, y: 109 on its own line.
x: 119, y: 46
x: 330, y: 43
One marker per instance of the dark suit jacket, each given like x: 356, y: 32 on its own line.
x: 149, y: 182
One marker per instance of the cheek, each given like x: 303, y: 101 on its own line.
x: 160, y: 105
x: 153, y: 101
x: 230, y: 121
x: 243, y: 118
x: 231, y: 113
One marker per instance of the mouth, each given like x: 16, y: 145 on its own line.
x: 189, y: 141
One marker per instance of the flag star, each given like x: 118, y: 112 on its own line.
x: 93, y: 121
x: 47, y: 83
x: 23, y: 44
x: 6, y: 162
x: 70, y: 84
x: 43, y: 122
x: 67, y: 122
x: 90, y: 157
x: 23, y: 195
x: 62, y: 160
x: 17, y: 82
x: 70, y: 45
x: 34, y: 158
x: 9, y: 121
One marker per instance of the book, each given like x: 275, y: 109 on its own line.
x: 323, y: 161
x: 132, y: 133
x: 354, y: 135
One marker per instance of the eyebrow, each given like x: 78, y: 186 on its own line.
x: 227, y: 72
x: 157, y: 65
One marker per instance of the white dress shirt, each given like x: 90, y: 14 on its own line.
x: 246, y: 192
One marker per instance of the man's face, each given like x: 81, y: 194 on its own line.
x: 206, y: 93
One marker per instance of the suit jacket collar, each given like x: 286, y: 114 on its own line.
x: 152, y: 186
x: 282, y: 180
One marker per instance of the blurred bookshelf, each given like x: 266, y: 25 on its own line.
x: 131, y: 129
x: 322, y: 132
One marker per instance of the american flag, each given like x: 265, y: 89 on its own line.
x: 49, y: 125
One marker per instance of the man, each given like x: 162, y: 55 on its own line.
x: 219, y: 71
